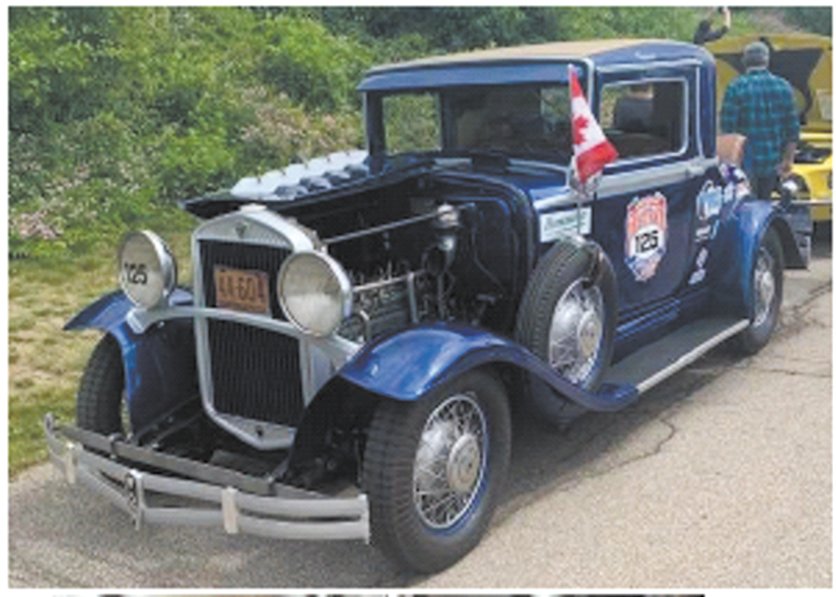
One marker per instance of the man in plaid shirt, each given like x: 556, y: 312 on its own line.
x: 760, y: 106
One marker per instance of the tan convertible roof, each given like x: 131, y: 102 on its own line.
x: 561, y: 49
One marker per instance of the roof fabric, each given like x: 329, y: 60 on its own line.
x: 552, y: 50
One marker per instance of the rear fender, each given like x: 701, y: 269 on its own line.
x: 408, y: 365
x: 737, y: 245
x: 159, y: 364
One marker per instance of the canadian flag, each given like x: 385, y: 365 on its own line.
x: 591, y: 148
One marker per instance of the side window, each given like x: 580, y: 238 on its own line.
x: 644, y: 119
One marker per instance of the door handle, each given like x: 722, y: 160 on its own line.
x: 694, y: 170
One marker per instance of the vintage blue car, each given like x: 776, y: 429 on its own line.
x: 359, y: 328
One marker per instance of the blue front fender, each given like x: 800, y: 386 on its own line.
x: 159, y: 365
x: 409, y: 364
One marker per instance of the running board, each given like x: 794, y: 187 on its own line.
x: 656, y: 362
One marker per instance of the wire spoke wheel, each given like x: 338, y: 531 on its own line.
x: 433, y: 470
x: 764, y: 286
x: 576, y: 331
x: 450, y: 461
x: 766, y: 295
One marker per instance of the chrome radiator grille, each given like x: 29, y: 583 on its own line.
x: 255, y: 373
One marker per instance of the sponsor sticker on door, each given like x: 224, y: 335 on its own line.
x: 646, y: 235
x: 709, y: 205
x: 561, y: 223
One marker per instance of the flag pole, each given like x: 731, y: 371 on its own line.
x: 591, y: 150
x: 581, y: 194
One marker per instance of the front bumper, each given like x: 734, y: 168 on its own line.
x: 236, y: 503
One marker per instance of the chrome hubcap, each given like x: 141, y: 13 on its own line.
x: 463, y: 463
x: 589, y: 335
x: 450, y: 461
x: 577, y: 328
x: 764, y: 286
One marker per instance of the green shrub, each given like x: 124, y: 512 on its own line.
x: 313, y: 67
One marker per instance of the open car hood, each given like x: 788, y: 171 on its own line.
x: 805, y: 60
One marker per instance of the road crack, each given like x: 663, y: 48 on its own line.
x: 789, y: 372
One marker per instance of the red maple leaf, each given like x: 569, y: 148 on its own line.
x: 578, y: 127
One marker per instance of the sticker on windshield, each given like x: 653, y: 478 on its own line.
x: 646, y: 238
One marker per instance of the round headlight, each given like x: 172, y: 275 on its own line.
x: 147, y: 270
x: 314, y: 292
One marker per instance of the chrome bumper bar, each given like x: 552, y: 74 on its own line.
x: 813, y: 202
x: 289, y: 513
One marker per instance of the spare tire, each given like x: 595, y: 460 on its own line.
x: 567, y: 317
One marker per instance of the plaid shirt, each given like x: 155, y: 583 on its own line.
x: 759, y: 105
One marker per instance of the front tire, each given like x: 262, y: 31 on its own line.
x: 100, y: 403
x: 767, y: 295
x: 433, y: 470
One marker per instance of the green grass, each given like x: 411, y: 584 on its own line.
x: 45, y: 362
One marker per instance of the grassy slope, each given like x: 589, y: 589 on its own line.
x: 45, y: 363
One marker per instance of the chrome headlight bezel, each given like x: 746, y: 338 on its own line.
x: 336, y: 287
x: 149, y: 276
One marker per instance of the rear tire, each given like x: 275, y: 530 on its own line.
x: 767, y: 293
x: 99, y: 405
x: 432, y: 481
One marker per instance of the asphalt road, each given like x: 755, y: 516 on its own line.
x: 719, y: 477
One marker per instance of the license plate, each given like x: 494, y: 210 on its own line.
x: 242, y: 290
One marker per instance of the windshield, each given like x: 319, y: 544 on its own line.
x: 531, y: 120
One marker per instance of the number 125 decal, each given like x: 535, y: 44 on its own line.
x: 646, y: 235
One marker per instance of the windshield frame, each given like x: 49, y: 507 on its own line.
x: 374, y: 116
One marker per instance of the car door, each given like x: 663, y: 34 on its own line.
x: 645, y: 207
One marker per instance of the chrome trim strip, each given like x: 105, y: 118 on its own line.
x: 811, y: 202
x: 631, y: 182
x: 691, y: 356
x: 565, y: 198
x: 616, y: 68
x: 591, y: 75
x: 698, y: 129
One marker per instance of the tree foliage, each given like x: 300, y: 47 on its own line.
x: 815, y: 19
x: 116, y: 112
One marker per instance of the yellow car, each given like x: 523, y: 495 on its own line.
x: 805, y: 60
